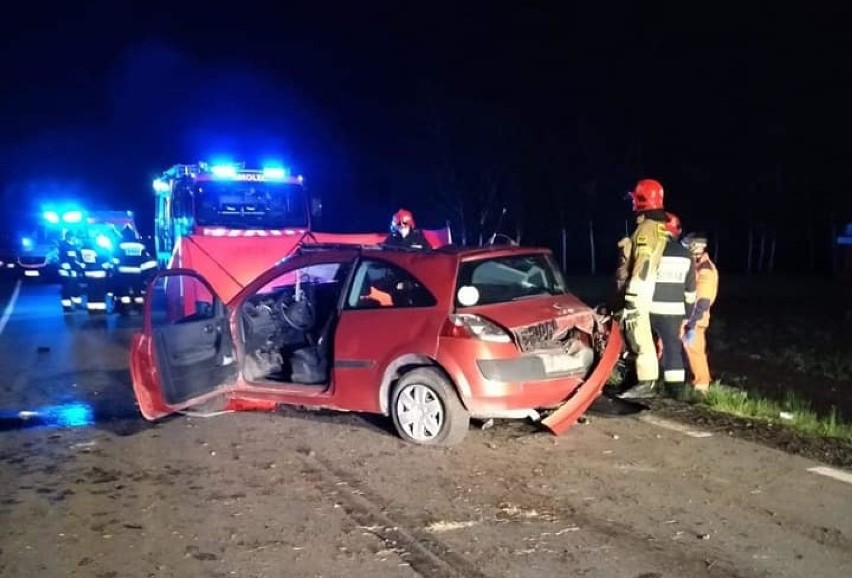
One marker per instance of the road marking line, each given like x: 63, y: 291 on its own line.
x: 841, y: 475
x: 674, y: 426
x: 10, y: 306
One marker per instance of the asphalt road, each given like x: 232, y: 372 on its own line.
x: 91, y: 489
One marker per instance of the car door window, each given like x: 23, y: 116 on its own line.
x: 180, y: 299
x: 378, y: 284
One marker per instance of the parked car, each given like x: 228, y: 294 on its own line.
x: 431, y: 339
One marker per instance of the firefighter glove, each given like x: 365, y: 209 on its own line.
x: 630, y: 317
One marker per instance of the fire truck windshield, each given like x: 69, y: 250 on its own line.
x: 250, y: 205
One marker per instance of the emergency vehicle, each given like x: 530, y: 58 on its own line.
x: 230, y: 223
x: 33, y: 242
x: 227, y: 200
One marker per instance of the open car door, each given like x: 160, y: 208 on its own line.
x: 184, y: 355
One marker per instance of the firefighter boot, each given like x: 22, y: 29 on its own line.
x: 642, y: 390
x: 678, y: 390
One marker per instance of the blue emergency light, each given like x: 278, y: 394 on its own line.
x: 223, y: 171
x: 51, y: 217
x: 72, y: 216
x: 103, y: 242
x: 160, y: 186
x: 26, y: 243
x: 275, y: 173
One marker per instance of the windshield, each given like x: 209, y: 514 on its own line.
x: 512, y: 278
x: 243, y: 205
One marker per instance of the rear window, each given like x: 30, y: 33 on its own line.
x: 511, y: 278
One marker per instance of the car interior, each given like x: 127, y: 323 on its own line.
x: 288, y: 327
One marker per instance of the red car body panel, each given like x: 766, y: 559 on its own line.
x: 371, y: 345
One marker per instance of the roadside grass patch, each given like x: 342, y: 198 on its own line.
x: 793, y: 412
x: 799, y: 343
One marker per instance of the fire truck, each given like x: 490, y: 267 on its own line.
x: 219, y: 200
x: 230, y: 223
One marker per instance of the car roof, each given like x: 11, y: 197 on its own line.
x: 407, y: 255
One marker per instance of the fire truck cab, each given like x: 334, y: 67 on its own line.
x: 229, y: 224
x: 227, y: 200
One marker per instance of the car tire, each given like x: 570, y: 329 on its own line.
x: 428, y: 387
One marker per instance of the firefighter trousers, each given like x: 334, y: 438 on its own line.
x: 641, y: 340
x: 696, y: 353
x: 667, y: 327
x: 70, y: 292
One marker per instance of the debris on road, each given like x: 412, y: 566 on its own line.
x: 84, y: 446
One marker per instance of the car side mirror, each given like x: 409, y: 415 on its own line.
x: 204, y: 309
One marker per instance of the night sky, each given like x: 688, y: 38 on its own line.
x: 550, y: 110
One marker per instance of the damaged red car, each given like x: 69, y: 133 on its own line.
x: 430, y: 339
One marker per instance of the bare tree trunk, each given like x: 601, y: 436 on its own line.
x: 772, y: 247
x: 762, y: 254
x: 811, y: 246
x: 716, y: 245
x: 592, y: 245
x: 463, y: 224
x: 750, y: 249
x: 564, y: 248
x: 835, y: 265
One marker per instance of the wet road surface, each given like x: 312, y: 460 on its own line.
x: 91, y: 489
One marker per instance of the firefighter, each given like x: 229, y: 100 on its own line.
x: 695, y: 328
x: 673, y: 302
x: 404, y: 232
x: 96, y: 256
x: 134, y: 266
x: 68, y: 261
x: 646, y: 250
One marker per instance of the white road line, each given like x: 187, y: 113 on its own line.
x: 674, y: 426
x: 841, y: 475
x: 10, y: 306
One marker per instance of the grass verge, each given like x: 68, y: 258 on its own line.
x: 793, y: 412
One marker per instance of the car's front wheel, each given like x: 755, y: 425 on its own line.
x: 426, y: 409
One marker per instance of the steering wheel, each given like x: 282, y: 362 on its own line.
x: 299, y: 315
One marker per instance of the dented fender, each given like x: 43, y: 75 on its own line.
x: 570, y: 411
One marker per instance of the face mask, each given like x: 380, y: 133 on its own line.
x: 403, y: 231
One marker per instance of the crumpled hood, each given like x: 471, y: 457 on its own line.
x: 565, y: 311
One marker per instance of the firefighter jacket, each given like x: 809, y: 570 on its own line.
x: 648, y: 242
x: 414, y: 240
x: 706, y: 288
x: 134, y: 258
x: 622, y: 270
x: 674, y: 290
x: 95, y: 263
x: 68, y: 253
x: 68, y: 259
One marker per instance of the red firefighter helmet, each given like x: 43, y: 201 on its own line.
x: 402, y: 218
x: 673, y: 225
x: 647, y: 196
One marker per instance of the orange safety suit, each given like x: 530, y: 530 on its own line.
x: 706, y: 288
x: 382, y: 298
